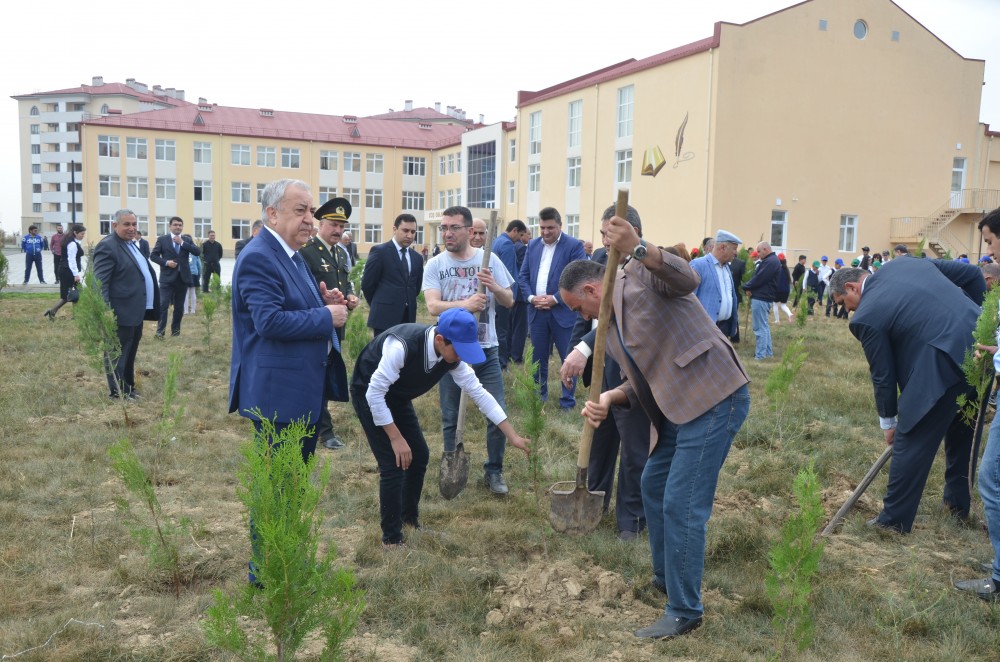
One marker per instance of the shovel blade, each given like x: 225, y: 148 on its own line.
x: 576, y: 511
x: 454, y: 474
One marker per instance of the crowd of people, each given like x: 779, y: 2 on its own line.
x: 668, y: 410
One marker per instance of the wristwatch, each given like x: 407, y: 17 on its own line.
x: 639, y: 252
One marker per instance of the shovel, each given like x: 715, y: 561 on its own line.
x: 454, y: 473
x: 577, y: 510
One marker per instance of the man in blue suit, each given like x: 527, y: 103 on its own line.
x: 392, y: 278
x: 717, y: 289
x: 503, y: 248
x: 550, y: 321
x: 915, y: 352
x: 286, y: 355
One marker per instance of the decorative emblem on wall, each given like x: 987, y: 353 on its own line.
x: 653, y: 161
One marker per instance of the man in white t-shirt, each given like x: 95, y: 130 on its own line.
x: 451, y: 280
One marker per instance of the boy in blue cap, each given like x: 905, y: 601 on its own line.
x: 398, y: 366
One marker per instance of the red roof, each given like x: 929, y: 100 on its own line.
x: 295, y: 126
x: 423, y: 113
x: 110, y: 89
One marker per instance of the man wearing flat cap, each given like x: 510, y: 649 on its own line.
x: 717, y: 289
x: 328, y: 263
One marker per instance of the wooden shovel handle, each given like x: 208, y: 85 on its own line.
x: 603, y: 318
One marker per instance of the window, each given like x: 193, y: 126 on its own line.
x: 860, y: 29
x: 352, y: 162
x: 240, y: 228
x: 36, y: 168
x: 37, y: 149
x: 289, y: 157
x: 413, y: 201
x: 326, y: 193
x: 451, y: 163
x: 848, y: 234
x: 458, y: 162
x: 440, y: 165
x: 573, y: 168
x: 458, y: 196
x: 373, y: 233
x: 202, y: 189
x: 142, y: 225
x: 240, y: 192
x: 626, y: 97
x: 373, y: 198
x: 109, y: 186
x: 105, y: 109
x: 575, y: 123
x: 34, y: 131
x: 779, y: 226
x: 328, y: 160
x: 106, y: 146
x: 36, y: 207
x: 354, y: 229
x: 166, y: 189
x: 166, y: 150
x: 822, y: 25
x: 260, y: 192
x: 573, y: 225
x: 373, y: 164
x: 162, y: 225
x: 135, y: 148
x: 534, y: 178
x: 104, y: 223
x: 895, y: 35
x: 353, y: 195
x: 451, y: 197
x: 202, y: 152
x: 482, y: 179
x: 138, y: 187
x: 623, y: 166
x: 511, y: 192
x: 241, y: 155
x: 441, y: 203
x: 535, y: 132
x: 416, y: 166
x: 36, y: 188
x: 34, y: 111
x: 202, y: 226
x: 266, y: 157
x: 532, y: 223
x: 512, y: 150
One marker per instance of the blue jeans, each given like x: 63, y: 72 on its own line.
x: 449, y: 395
x: 678, y: 488
x: 759, y: 311
x: 989, y: 490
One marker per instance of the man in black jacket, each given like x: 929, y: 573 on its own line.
x: 798, y: 273
x: 171, y: 252
x: 763, y: 289
x: 211, y: 257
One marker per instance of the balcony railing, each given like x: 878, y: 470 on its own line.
x: 967, y: 201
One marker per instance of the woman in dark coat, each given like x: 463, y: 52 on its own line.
x: 784, y: 288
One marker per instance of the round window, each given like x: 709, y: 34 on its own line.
x: 860, y: 29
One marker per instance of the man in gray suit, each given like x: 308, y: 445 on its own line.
x: 915, y: 352
x: 128, y: 285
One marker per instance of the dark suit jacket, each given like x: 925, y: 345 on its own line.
x: 567, y: 250
x: 915, y: 327
x: 164, y: 251
x: 583, y: 330
x: 122, y: 283
x: 503, y: 248
x: 327, y: 266
x: 353, y: 250
x: 280, y: 361
x: 738, y: 267
x: 144, y: 247
x: 388, y: 289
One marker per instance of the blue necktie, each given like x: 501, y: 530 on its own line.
x: 304, y: 272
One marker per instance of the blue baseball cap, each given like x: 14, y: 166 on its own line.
x: 839, y: 261
x: 460, y: 328
x: 824, y: 258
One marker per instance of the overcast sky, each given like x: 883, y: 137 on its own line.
x: 367, y: 57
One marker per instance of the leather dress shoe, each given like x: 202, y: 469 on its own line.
x: 333, y: 443
x: 891, y: 528
x: 669, y: 627
x: 627, y: 536
x: 496, y: 484
x: 984, y: 589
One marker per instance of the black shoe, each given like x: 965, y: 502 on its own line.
x: 891, y: 528
x: 333, y: 443
x: 175, y: 334
x: 984, y: 589
x: 627, y: 536
x: 159, y: 336
x: 496, y: 484
x: 51, y: 315
x: 669, y: 627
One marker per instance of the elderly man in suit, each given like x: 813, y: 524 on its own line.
x: 550, y: 322
x: 915, y: 352
x: 128, y: 285
x: 392, y: 278
x: 172, y: 253
x: 717, y: 289
x: 692, y: 387
x: 329, y: 265
x: 286, y: 355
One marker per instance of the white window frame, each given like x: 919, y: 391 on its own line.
x: 512, y: 150
x: 535, y: 132
x: 201, y: 227
x: 239, y: 154
x: 413, y: 201
x: 373, y: 198
x: 374, y: 163
x: 138, y: 188
x: 623, y: 166
x: 574, y: 121
x: 202, y: 152
x: 626, y: 109
x: 573, y: 225
x: 574, y: 169
x: 290, y: 157
x: 166, y: 189
x: 416, y: 166
x: 848, y: 238
x: 326, y: 193
x: 779, y: 222
x: 329, y: 159
x: 239, y: 192
x: 166, y: 150
x: 109, y: 186
x: 511, y: 192
x: 106, y: 146
x: 353, y: 195
x: 373, y: 233
x: 267, y: 157
x: 352, y: 161
x: 206, y: 190
x: 534, y: 177
x: 136, y: 148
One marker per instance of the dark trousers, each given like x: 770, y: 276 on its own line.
x: 121, y: 372
x: 546, y: 332
x: 518, y: 330
x: 399, y: 491
x: 172, y: 293
x: 36, y: 260
x: 627, y: 429
x: 55, y: 267
x: 503, y: 335
x: 913, y: 454
x: 206, y: 278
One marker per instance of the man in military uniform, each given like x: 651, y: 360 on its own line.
x: 329, y: 264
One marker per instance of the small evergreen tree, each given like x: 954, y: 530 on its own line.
x: 528, y: 403
x: 781, y: 378
x: 979, y: 373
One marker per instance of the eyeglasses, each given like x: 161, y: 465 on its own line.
x: 452, y: 228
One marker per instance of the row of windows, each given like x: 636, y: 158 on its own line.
x: 847, y: 240
x: 449, y: 198
x: 574, y: 169
x: 450, y: 164
x: 267, y: 157
x: 574, y: 123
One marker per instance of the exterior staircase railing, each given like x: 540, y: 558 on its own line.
x: 934, y: 229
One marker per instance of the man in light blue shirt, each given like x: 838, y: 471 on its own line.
x: 717, y: 291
